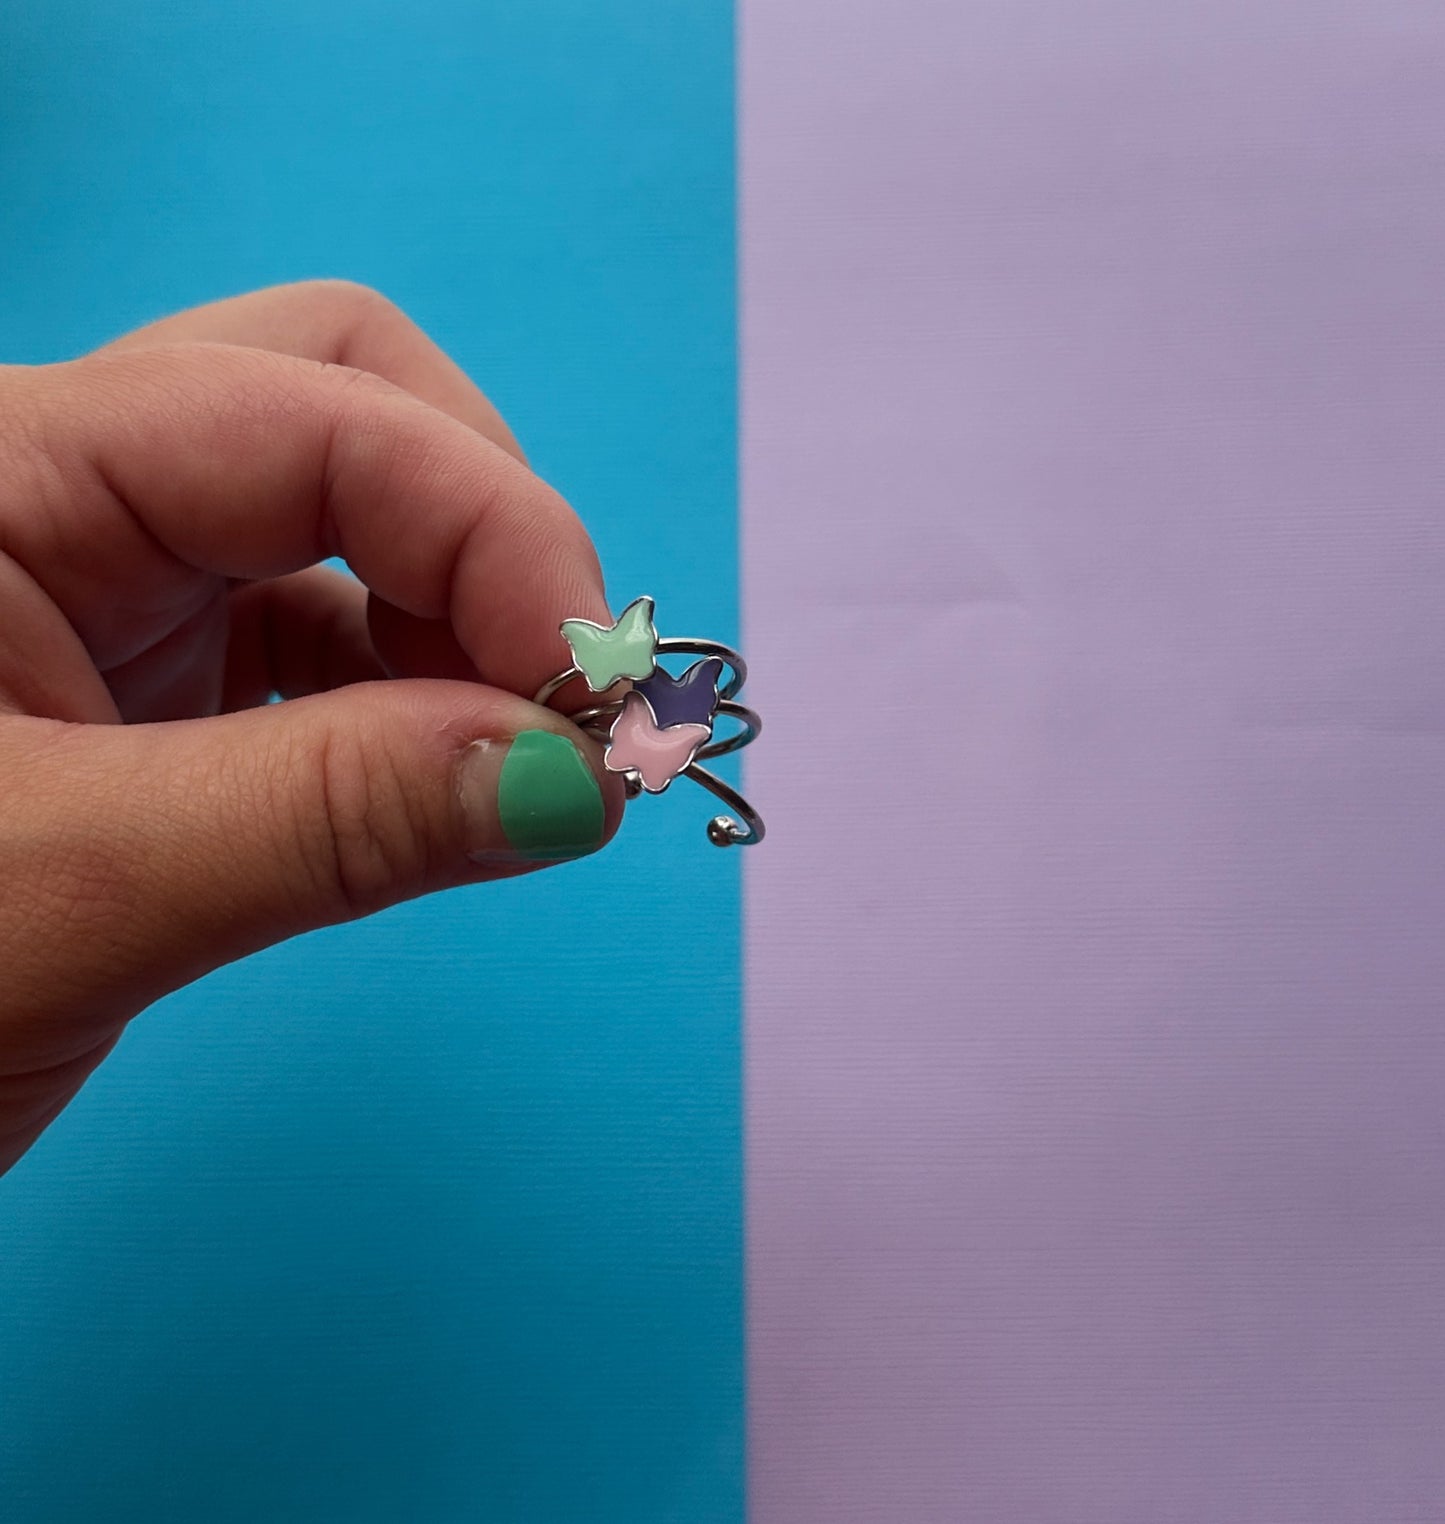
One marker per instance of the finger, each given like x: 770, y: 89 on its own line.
x: 152, y: 853
x: 337, y: 322
x: 306, y: 633
x: 178, y: 675
x: 411, y: 647
x: 245, y: 464
x: 44, y: 667
x: 340, y: 322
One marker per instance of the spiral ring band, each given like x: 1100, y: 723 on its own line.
x: 664, y: 725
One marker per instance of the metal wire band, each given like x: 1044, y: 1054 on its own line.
x: 723, y: 830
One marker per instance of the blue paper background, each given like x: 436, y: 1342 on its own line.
x: 436, y: 1217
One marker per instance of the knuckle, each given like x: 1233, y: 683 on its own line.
x: 356, y: 303
x: 343, y: 290
x: 369, y: 848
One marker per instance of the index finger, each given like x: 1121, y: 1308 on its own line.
x: 341, y: 323
x: 249, y: 464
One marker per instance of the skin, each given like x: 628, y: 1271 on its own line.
x: 163, y: 505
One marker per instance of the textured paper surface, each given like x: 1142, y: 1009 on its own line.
x: 436, y: 1217
x: 1093, y: 365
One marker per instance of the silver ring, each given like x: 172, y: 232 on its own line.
x: 665, y: 724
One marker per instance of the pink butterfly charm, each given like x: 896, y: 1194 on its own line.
x: 656, y: 755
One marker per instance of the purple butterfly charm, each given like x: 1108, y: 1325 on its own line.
x: 655, y: 754
x: 687, y: 700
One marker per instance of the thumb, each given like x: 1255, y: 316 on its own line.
x: 195, y: 842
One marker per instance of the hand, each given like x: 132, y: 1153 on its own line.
x: 163, y: 505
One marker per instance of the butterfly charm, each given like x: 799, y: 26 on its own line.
x: 604, y: 655
x: 687, y: 700
x: 656, y: 754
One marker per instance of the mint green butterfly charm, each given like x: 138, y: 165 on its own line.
x: 606, y: 655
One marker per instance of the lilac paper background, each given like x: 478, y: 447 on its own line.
x: 1093, y: 364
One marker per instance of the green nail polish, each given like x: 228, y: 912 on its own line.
x: 548, y: 800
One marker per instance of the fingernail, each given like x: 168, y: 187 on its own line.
x: 533, y: 798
